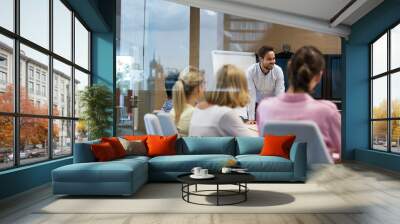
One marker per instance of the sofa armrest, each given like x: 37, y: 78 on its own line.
x: 298, y: 155
x: 83, y: 152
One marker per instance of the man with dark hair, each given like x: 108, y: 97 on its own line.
x: 265, y: 79
x: 169, y: 84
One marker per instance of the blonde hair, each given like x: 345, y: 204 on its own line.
x: 189, y: 79
x: 231, y: 89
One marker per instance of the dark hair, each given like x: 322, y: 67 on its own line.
x: 170, y: 82
x: 306, y: 63
x: 262, y: 51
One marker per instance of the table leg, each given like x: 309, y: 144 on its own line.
x: 217, y: 194
x: 245, y: 193
x: 196, y: 188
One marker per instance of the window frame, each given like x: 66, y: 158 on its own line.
x: 16, y: 114
x: 388, y: 74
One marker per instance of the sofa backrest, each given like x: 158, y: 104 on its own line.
x: 83, y: 152
x: 249, y: 145
x: 206, y: 145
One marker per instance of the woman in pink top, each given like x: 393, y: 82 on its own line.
x: 305, y: 71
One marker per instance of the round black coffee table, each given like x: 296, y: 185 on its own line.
x: 238, y: 179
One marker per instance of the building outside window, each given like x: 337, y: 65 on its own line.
x: 30, y: 87
x: 30, y: 72
x: 44, y: 91
x: 3, y: 78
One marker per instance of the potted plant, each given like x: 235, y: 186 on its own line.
x: 96, y: 104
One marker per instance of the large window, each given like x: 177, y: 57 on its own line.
x: 40, y: 81
x: 385, y: 94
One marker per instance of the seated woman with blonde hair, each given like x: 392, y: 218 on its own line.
x: 216, y: 116
x: 305, y: 71
x: 187, y: 91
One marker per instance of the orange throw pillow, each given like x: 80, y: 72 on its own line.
x: 277, y: 145
x: 103, y: 152
x: 116, y: 145
x: 161, y: 145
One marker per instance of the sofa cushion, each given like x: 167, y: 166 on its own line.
x: 257, y: 163
x: 116, y: 145
x: 103, y: 152
x: 185, y: 163
x: 277, y: 145
x: 249, y: 145
x: 206, y: 145
x: 112, y: 171
x: 161, y: 145
x: 135, y: 147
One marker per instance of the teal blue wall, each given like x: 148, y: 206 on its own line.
x: 356, y: 92
x: 99, y: 16
x: 24, y: 178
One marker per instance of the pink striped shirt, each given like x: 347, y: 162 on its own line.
x: 301, y: 106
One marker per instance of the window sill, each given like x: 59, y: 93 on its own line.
x: 26, y: 167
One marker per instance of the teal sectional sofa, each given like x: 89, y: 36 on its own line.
x: 125, y: 176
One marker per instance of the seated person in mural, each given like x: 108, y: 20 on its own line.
x: 169, y: 83
x: 187, y: 91
x: 305, y: 71
x: 216, y: 115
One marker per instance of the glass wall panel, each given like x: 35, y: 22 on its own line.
x: 395, y: 94
x: 81, y: 131
x: 163, y: 39
x: 34, y: 78
x: 130, y: 67
x: 395, y: 136
x: 395, y: 47
x: 34, y: 144
x: 379, y: 98
x: 379, y: 135
x: 211, y: 38
x: 379, y: 56
x: 6, y: 74
x: 35, y: 21
x: 62, y: 89
x: 81, y: 82
x: 6, y: 142
x: 7, y: 14
x: 62, y: 138
x: 62, y: 29
x: 81, y: 45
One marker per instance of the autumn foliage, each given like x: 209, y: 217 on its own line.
x: 33, y: 131
x: 380, y: 127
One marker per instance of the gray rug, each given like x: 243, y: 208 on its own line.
x: 166, y: 198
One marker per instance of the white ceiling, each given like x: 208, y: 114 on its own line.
x: 315, y: 15
x: 320, y: 9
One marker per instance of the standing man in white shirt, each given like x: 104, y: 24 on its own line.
x: 265, y: 79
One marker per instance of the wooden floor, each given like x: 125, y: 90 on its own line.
x: 351, y: 181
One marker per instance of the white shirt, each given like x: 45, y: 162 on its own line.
x: 263, y: 85
x: 218, y: 121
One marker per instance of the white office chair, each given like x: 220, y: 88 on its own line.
x: 305, y: 131
x: 152, y: 124
x: 167, y: 125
